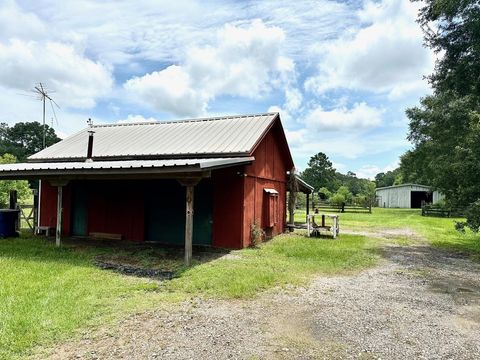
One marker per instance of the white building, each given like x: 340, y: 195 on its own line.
x: 408, y: 196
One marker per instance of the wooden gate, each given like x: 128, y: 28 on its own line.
x: 27, y: 216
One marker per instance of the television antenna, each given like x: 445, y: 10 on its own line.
x: 43, y: 94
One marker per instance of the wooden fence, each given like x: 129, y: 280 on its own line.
x: 433, y: 210
x: 323, y: 207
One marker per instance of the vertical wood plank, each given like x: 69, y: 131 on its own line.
x: 189, y: 225
x: 58, y: 233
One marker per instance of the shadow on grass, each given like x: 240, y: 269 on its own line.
x: 143, y: 260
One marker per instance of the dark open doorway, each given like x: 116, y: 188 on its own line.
x: 417, y: 197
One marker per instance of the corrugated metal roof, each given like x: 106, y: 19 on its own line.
x: 71, y: 167
x: 234, y: 135
x: 403, y: 185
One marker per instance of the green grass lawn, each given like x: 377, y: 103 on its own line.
x: 439, y: 231
x: 49, y: 294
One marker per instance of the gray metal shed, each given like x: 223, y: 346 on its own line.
x: 407, y: 196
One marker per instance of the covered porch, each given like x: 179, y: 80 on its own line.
x: 299, y: 186
x: 143, y: 201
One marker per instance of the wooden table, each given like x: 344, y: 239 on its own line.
x: 314, y: 229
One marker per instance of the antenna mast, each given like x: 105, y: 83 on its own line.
x: 43, y: 95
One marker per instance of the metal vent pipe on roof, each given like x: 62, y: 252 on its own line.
x: 90, y: 145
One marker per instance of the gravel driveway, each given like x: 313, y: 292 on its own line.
x: 419, y: 303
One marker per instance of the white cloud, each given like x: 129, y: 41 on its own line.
x: 136, y: 119
x: 244, y: 61
x: 385, y: 55
x: 369, y: 171
x: 293, y: 99
x: 350, y: 146
x: 19, y: 24
x: 169, y: 90
x: 78, y: 81
x: 360, y: 116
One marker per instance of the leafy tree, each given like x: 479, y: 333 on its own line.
x: 445, y: 127
x: 23, y: 190
x: 320, y: 172
x: 345, y: 192
x: 368, y: 192
x: 25, y: 138
x: 388, y: 178
x: 337, y: 199
x: 324, y: 193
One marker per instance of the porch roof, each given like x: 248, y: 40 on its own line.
x: 303, y: 186
x: 117, y: 168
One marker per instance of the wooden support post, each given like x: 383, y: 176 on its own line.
x: 309, y: 219
x: 35, y: 210
x: 13, y: 205
x: 189, y: 225
x: 335, y: 227
x: 308, y: 204
x: 189, y: 184
x: 13, y: 200
x: 58, y: 232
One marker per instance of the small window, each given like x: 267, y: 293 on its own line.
x: 271, y: 207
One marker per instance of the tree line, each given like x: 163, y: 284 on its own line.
x: 17, y: 143
x: 335, y: 187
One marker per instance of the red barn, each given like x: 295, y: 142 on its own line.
x: 209, y: 180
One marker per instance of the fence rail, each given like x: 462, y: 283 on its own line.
x: 344, y: 208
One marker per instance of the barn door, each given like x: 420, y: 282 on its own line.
x: 165, y: 213
x: 202, y: 216
x: 79, y: 210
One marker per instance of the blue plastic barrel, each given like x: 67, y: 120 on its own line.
x: 8, y: 218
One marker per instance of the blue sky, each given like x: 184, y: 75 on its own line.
x: 341, y: 73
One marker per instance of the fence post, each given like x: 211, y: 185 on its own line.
x: 13, y: 205
x: 13, y: 199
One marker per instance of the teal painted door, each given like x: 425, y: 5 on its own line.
x: 202, y: 214
x: 165, y: 213
x: 79, y: 210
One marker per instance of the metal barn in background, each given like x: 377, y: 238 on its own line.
x: 408, y: 196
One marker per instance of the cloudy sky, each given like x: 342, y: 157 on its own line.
x: 341, y: 73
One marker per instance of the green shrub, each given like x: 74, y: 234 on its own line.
x: 337, y: 199
x: 472, y: 214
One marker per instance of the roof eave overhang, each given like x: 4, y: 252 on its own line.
x: 175, y: 171
x: 143, y: 157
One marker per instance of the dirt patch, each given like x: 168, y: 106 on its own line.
x: 420, y: 303
x: 135, y: 271
x: 387, y: 233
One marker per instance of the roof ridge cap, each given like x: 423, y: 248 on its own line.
x: 159, y: 122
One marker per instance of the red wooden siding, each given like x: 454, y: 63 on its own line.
x: 48, y: 205
x: 228, y: 207
x: 117, y: 207
x: 269, y: 170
